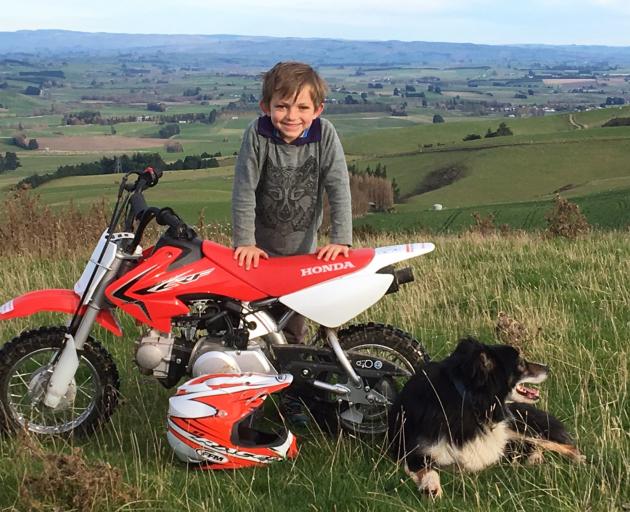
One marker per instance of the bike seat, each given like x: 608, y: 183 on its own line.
x: 282, y: 275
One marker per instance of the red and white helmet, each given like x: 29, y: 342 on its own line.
x: 208, y: 421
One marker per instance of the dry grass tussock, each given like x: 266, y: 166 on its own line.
x: 511, y: 331
x: 68, y: 481
x: 30, y: 227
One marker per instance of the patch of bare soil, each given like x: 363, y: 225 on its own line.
x: 96, y: 143
x: 57, y: 481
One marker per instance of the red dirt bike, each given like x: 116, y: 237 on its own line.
x: 205, y: 314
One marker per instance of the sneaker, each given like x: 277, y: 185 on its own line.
x: 294, y: 410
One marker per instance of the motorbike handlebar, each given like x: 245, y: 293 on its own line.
x: 139, y: 210
x: 167, y: 217
x: 146, y: 179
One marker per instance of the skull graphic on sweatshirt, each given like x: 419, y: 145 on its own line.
x: 287, y: 196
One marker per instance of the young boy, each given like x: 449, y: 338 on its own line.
x: 288, y: 159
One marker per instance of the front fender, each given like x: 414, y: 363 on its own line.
x: 56, y: 300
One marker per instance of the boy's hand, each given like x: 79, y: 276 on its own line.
x: 249, y: 254
x: 331, y: 251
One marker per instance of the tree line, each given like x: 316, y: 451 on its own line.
x: 502, y: 131
x: 373, y: 188
x: 95, y: 117
x: 124, y: 164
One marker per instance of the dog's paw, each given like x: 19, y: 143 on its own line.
x: 579, y: 458
x: 427, y: 480
x: 430, y: 484
x: 536, y: 458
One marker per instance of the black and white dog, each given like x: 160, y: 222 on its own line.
x: 469, y: 411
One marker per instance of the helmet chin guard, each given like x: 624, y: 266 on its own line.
x: 209, y: 421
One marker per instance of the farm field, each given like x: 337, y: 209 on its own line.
x: 572, y: 298
x: 549, y: 151
x: 514, y: 178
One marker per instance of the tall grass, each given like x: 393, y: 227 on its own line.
x: 572, y: 296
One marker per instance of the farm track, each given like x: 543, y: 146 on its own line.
x: 575, y: 123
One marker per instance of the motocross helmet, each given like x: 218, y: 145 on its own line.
x: 210, y: 418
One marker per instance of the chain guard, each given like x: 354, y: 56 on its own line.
x: 309, y: 364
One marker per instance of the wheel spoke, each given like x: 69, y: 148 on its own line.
x: 20, y: 377
x: 83, y: 392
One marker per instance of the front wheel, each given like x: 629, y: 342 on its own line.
x: 25, y: 369
x: 386, y: 343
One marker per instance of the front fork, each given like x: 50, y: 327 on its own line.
x: 66, y: 363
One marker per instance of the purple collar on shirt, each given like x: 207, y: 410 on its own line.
x: 313, y: 134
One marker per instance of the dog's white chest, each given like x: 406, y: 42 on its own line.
x: 476, y: 454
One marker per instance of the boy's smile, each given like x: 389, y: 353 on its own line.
x: 292, y: 115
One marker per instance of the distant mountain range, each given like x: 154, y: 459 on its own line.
x: 263, y: 51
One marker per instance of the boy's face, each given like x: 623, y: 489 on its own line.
x: 292, y: 115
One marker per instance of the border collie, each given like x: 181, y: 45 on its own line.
x: 471, y: 410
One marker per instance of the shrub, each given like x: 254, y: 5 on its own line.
x: 483, y: 226
x: 156, y: 107
x: 168, y: 131
x: 566, y: 220
x: 172, y: 146
x: 21, y: 141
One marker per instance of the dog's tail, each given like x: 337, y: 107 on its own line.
x: 542, y: 430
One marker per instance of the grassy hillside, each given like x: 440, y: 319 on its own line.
x: 512, y: 177
x: 605, y: 210
x: 571, y: 297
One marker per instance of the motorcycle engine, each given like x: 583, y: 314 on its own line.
x: 168, y: 358
x: 209, y: 357
x: 163, y: 356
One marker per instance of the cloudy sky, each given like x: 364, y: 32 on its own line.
x: 604, y: 22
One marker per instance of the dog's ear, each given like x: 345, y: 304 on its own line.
x: 482, y: 367
x: 486, y: 362
x: 467, y: 346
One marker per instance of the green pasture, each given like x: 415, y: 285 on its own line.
x: 565, y: 152
x: 20, y: 104
x: 603, y: 210
x: 415, y: 138
x: 571, y: 297
x: 525, y: 172
x: 187, y: 192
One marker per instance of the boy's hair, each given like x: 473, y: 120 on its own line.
x: 287, y: 80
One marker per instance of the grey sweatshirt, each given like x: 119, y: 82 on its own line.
x: 278, y: 194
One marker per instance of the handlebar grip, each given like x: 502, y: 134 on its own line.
x: 152, y: 176
x: 167, y: 217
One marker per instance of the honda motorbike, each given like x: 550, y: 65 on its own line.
x: 202, y: 314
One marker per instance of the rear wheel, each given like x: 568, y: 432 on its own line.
x: 386, y: 343
x: 25, y: 369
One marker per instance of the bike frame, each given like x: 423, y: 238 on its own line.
x: 107, y: 282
